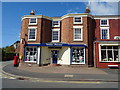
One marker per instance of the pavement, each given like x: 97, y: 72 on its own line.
x: 61, y: 73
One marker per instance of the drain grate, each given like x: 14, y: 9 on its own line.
x: 21, y: 78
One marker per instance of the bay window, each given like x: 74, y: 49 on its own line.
x: 31, y: 54
x: 110, y: 53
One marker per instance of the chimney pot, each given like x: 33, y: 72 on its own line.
x: 32, y: 12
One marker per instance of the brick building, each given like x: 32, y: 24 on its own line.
x: 65, y: 40
x: 107, y: 41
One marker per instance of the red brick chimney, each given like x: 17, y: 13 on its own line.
x: 87, y: 10
x: 32, y: 12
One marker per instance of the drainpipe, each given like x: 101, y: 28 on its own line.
x: 40, y: 57
x: 41, y: 41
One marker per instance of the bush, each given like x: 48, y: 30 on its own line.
x: 8, y: 56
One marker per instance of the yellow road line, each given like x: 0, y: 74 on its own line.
x: 77, y: 82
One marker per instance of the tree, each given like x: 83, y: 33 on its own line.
x: 9, y: 49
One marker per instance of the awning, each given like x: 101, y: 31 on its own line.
x: 57, y: 45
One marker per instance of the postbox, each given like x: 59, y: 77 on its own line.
x: 16, y: 61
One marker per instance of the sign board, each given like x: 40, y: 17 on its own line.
x: 116, y: 37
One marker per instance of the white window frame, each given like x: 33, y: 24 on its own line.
x: 79, y: 27
x: 112, y: 53
x: 84, y: 56
x: 36, y: 56
x: 107, y: 22
x: 32, y: 23
x: 56, y: 25
x: 58, y: 35
x: 77, y: 22
x: 107, y: 29
x: 29, y: 33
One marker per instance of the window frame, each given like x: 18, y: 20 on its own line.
x: 32, y: 23
x: 101, y: 28
x: 32, y: 55
x: 100, y: 60
x: 104, y: 25
x: 58, y: 30
x: 84, y: 55
x: 56, y: 25
x: 77, y: 22
x: 29, y: 33
x: 77, y: 27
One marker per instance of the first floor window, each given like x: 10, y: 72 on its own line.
x: 110, y: 53
x: 32, y: 34
x: 77, y: 34
x: 31, y: 54
x: 104, y: 34
x: 78, y: 55
x: 55, y: 35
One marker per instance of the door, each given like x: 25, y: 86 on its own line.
x: 54, y: 54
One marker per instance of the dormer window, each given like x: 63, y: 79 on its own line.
x: 56, y: 23
x: 33, y: 21
x: 77, y: 20
x: 104, y: 22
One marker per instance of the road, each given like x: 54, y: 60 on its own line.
x: 10, y: 82
x: 13, y: 83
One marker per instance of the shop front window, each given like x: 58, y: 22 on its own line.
x: 110, y: 53
x: 78, y: 56
x: 31, y: 54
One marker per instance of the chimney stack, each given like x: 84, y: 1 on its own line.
x: 32, y: 12
x: 87, y: 10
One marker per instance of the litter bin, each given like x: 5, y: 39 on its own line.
x: 16, y: 61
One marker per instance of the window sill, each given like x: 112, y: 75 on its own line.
x: 77, y: 23
x: 31, y: 40
x: 32, y: 24
x: 77, y: 40
x: 56, y: 26
x: 55, y: 41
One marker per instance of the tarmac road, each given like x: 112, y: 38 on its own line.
x: 12, y: 82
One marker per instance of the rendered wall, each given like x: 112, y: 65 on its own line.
x: 45, y: 55
x: 64, y: 56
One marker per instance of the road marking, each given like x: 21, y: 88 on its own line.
x: 6, y: 76
x: 77, y: 82
x: 69, y: 76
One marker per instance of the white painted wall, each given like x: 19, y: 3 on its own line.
x: 45, y: 55
x: 38, y: 56
x: 64, y: 56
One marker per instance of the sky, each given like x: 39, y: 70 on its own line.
x: 13, y: 11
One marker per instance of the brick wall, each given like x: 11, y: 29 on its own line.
x: 113, y: 30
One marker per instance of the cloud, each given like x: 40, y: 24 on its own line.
x: 103, y: 7
x: 73, y: 10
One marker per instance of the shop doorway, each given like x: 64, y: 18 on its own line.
x: 54, y: 56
